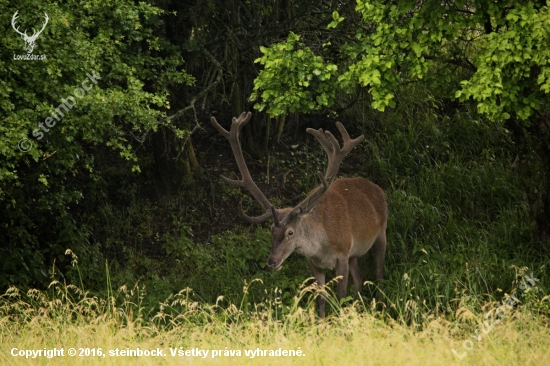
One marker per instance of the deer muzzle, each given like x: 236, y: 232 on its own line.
x: 274, y: 264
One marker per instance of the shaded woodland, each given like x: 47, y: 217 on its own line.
x: 452, y: 98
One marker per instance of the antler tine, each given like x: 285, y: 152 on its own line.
x: 13, y: 19
x: 220, y: 129
x: 258, y: 219
x: 246, y: 182
x: 335, y: 156
x: 323, y: 140
x: 332, y: 147
x: 44, y: 26
x: 349, y: 144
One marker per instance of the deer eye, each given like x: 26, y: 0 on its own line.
x: 290, y: 232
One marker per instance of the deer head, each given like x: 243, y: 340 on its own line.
x: 286, y: 229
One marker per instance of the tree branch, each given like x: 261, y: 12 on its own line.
x: 459, y: 62
x: 205, y: 91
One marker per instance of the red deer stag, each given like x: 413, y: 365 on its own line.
x: 333, y: 226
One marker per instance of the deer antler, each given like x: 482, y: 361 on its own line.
x: 332, y: 147
x: 246, y: 181
x: 335, y: 156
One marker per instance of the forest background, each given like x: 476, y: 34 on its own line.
x: 452, y: 97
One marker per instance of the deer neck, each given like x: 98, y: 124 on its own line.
x: 312, y: 239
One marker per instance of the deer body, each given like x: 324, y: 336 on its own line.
x: 337, y: 223
x: 345, y: 223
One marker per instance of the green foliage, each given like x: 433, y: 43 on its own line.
x: 115, y: 48
x: 336, y: 19
x: 513, y: 75
x: 233, y: 257
x: 211, y: 269
x: 503, y: 68
x: 293, y: 79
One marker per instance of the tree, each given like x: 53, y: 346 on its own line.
x: 495, y: 54
x: 101, y: 87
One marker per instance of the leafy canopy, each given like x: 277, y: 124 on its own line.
x: 495, y: 53
x: 294, y: 79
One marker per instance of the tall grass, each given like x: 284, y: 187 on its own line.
x: 66, y: 317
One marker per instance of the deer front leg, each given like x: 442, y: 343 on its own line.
x: 320, y: 278
x: 342, y: 269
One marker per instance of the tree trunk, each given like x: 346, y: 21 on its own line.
x: 532, y: 141
x: 172, y: 164
x: 280, y: 126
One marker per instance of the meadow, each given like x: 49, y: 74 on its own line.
x: 65, y: 325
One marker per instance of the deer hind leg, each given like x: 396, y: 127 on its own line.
x: 319, y: 275
x: 355, y: 274
x: 379, y: 251
x: 342, y: 269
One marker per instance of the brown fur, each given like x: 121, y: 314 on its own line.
x: 346, y: 222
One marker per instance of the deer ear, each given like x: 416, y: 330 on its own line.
x: 306, y: 210
x: 295, y: 212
